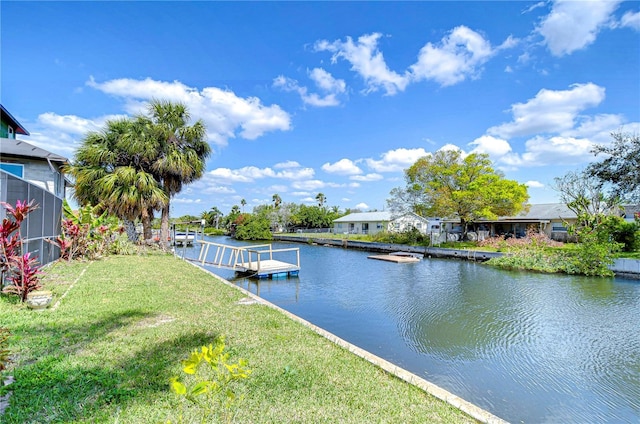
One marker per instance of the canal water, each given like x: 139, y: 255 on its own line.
x: 527, y: 347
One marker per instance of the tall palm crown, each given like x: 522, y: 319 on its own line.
x: 182, y: 150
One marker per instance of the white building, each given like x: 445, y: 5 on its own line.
x: 376, y: 222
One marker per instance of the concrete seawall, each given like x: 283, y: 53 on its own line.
x: 628, y: 268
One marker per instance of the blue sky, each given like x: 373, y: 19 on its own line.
x: 332, y: 97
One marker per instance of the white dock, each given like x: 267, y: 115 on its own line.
x: 395, y: 258
x: 256, y: 260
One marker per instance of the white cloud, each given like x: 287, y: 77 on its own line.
x: 450, y: 146
x: 342, y: 167
x: 597, y: 128
x: 631, y: 20
x: 573, y: 25
x: 277, y: 189
x: 218, y: 190
x: 72, y: 124
x: 541, y: 151
x: 533, y: 7
x: 459, y: 56
x: 534, y: 184
x: 325, y: 81
x: 308, y: 185
x: 396, y: 160
x: 249, y: 174
x: 330, y: 86
x: 186, y: 201
x: 313, y: 99
x: 224, y: 113
x: 362, y: 206
x: 550, y: 111
x: 494, y: 147
x: 287, y: 164
x: 62, y: 134
x: 367, y: 61
x: 367, y: 178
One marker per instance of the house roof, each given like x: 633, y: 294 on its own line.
x: 13, y: 147
x: 383, y: 216
x: 7, y: 117
x: 543, y: 212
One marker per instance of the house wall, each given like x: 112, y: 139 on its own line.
x: 39, y: 172
x: 405, y: 223
x: 359, y: 227
x: 4, y: 131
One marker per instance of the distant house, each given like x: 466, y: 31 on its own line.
x: 375, y: 222
x: 549, y: 218
x: 30, y: 173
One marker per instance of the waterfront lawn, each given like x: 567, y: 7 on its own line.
x: 106, y: 354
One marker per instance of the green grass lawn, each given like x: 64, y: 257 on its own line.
x: 106, y: 354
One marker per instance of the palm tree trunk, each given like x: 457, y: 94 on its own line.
x: 146, y: 225
x: 164, y: 225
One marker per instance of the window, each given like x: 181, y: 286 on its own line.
x: 557, y: 228
x: 10, y: 132
x: 13, y: 168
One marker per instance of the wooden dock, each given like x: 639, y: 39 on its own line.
x: 395, y: 258
x: 256, y: 260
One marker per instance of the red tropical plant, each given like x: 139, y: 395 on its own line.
x: 20, y: 270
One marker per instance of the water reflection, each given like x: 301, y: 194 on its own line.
x: 528, y: 347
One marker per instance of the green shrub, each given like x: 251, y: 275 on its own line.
x: 250, y: 227
x: 628, y: 234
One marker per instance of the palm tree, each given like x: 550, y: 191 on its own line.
x: 276, y: 200
x: 181, y: 150
x: 109, y: 172
x: 243, y: 203
x: 320, y: 197
x: 212, y: 216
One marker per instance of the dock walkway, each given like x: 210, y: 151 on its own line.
x: 254, y: 260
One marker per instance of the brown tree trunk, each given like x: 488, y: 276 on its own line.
x: 164, y: 226
x: 146, y: 225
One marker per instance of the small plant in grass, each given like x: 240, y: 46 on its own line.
x: 211, y: 382
x: 20, y: 269
x: 4, y: 352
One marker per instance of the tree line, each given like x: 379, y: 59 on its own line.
x: 278, y: 216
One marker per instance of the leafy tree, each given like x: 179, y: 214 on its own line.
x: 252, y: 227
x: 584, y: 195
x: 321, y: 199
x: 446, y: 184
x: 181, y: 150
x: 620, y: 168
